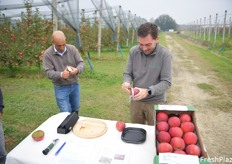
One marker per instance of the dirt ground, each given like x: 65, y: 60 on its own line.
x: 215, y: 124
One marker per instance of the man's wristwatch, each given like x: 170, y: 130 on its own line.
x: 149, y: 91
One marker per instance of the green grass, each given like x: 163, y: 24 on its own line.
x: 102, y: 89
x: 162, y: 39
x: 207, y: 87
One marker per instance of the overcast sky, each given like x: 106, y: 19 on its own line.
x: 182, y: 11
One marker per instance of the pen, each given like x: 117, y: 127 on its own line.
x: 57, y: 152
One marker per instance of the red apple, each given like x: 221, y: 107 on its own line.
x: 184, y: 117
x: 193, y: 150
x: 190, y: 138
x: 187, y: 127
x: 162, y: 126
x: 162, y: 116
x: 174, y: 121
x: 163, y: 137
x: 136, y: 91
x: 164, y: 148
x: 176, y: 132
x: 120, y: 125
x: 177, y: 143
x: 179, y: 152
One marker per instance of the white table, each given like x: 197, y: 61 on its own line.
x: 83, y: 151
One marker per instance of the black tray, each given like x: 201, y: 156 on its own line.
x: 134, y: 135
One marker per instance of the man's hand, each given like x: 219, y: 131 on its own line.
x: 142, y: 94
x: 72, y: 70
x: 126, y: 87
x: 69, y: 71
x: 65, y: 73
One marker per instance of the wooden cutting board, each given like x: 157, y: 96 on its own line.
x: 90, y: 128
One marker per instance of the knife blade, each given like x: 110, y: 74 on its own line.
x: 132, y: 93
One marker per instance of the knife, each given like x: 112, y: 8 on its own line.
x: 132, y: 93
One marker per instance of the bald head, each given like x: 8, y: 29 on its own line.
x: 59, y: 40
x: 58, y: 36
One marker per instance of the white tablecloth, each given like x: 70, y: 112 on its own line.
x: 83, y: 151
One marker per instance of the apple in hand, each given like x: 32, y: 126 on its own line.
x: 136, y: 91
x: 120, y: 125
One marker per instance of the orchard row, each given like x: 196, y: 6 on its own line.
x: 24, y: 41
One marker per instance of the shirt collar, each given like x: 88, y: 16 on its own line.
x: 59, y: 53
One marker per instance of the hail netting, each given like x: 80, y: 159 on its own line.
x: 68, y: 11
x: 107, y: 14
x: 124, y: 19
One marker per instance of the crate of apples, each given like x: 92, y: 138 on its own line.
x: 176, y: 134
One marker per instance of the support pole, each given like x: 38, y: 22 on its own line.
x: 204, y: 26
x: 54, y: 17
x: 230, y: 25
x: 78, y: 40
x: 215, y: 30
x: 99, y: 29
x: 209, y: 28
x: 224, y: 28
x: 118, y: 29
x: 200, y: 29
